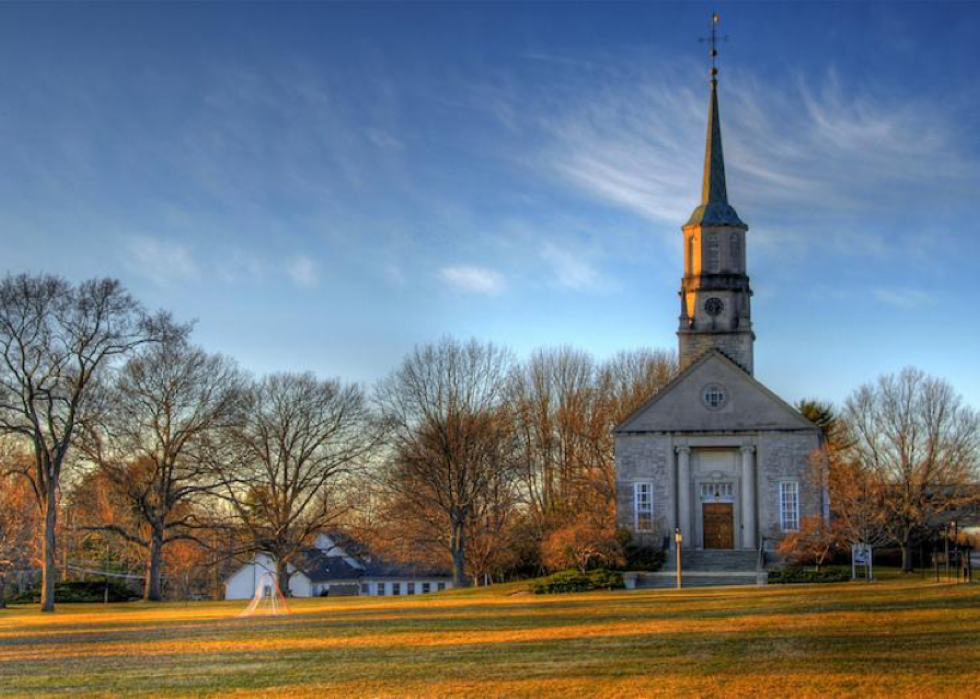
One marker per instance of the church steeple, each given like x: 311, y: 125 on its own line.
x: 715, y: 293
x: 714, y: 209
x: 713, y: 188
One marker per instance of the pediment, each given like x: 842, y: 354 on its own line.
x: 745, y: 404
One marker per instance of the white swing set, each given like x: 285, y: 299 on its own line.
x: 268, y: 599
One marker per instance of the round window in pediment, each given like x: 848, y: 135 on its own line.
x: 714, y: 396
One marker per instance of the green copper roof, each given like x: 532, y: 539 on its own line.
x: 714, y: 209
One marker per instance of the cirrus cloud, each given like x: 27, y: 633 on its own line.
x: 471, y: 279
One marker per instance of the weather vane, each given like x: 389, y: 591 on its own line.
x: 713, y: 39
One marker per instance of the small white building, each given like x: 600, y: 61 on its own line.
x: 332, y: 568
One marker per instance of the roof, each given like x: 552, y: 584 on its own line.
x: 326, y: 566
x: 753, y: 406
x: 714, y: 209
x: 322, y: 567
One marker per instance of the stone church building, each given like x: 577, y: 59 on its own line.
x: 715, y: 453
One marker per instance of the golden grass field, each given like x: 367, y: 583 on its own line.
x: 902, y: 638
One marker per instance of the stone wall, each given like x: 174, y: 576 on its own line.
x: 782, y: 457
x: 779, y: 456
x: 642, y: 458
x: 737, y: 346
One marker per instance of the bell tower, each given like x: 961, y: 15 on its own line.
x: 715, y: 293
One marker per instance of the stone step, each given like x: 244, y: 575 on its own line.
x: 715, y: 561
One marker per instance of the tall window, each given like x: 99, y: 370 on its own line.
x: 789, y: 506
x: 714, y: 254
x: 735, y: 252
x: 643, y: 506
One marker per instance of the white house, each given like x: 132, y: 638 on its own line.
x: 332, y: 568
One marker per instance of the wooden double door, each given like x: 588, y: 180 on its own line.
x: 719, y: 525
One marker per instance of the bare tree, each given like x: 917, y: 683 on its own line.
x: 17, y: 528
x: 554, y: 396
x: 55, y: 338
x: 566, y: 409
x: 296, y: 442
x: 854, y: 494
x: 625, y: 382
x: 632, y: 377
x: 451, y: 436
x: 918, y: 441
x: 164, y: 414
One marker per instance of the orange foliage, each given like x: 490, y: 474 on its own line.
x: 582, y: 545
x: 813, y: 544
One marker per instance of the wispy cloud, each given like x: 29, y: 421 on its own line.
x: 239, y: 265
x: 162, y: 263
x: 572, y: 270
x: 902, y: 297
x: 810, y: 151
x: 303, y: 271
x: 476, y: 280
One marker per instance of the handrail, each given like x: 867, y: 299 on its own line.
x: 761, y: 563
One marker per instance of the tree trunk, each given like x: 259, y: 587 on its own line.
x: 282, y: 577
x: 907, y: 552
x: 49, y: 568
x: 457, y: 549
x: 3, y: 591
x: 153, y: 593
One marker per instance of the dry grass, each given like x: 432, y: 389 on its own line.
x: 889, y: 639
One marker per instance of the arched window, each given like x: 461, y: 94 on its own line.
x: 735, y: 251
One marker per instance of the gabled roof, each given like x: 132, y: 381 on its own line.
x: 321, y: 567
x: 351, y: 559
x: 677, y: 407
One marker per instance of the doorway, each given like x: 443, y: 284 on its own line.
x: 719, y: 525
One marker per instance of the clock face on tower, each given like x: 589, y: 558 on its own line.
x: 714, y: 306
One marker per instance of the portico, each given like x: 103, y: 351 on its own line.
x: 713, y: 482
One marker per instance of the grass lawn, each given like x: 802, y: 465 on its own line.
x: 895, y: 638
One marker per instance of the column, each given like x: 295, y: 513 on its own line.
x: 748, y: 497
x: 684, y: 495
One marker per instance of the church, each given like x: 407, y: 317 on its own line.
x: 715, y: 455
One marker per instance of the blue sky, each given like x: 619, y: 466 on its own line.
x: 323, y: 185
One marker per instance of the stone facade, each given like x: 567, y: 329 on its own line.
x: 692, y: 454
x: 737, y: 346
x: 641, y: 460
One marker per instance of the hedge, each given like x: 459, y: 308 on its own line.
x: 575, y: 581
x: 91, y: 591
x: 800, y: 575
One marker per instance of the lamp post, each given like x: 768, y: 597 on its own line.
x: 946, y: 548
x: 956, y: 549
x: 677, y: 540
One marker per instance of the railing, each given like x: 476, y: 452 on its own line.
x: 761, y: 563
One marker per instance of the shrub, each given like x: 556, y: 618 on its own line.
x: 639, y: 556
x: 788, y: 576
x: 91, y: 591
x: 576, y: 581
x: 815, y: 543
x: 603, y: 579
x: 582, y: 545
